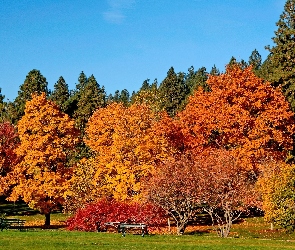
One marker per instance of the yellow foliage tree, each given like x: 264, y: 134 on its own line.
x: 278, y: 194
x: 47, y: 137
x: 126, y: 146
x: 82, y: 189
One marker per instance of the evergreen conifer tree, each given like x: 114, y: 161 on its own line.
x: 60, y: 94
x: 214, y: 71
x: 91, y: 97
x: 172, y: 92
x: 125, y: 97
x: 196, y: 79
x: 255, y: 60
x: 35, y: 83
x: 282, y: 55
x: 72, y: 103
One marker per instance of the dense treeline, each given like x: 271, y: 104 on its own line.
x: 170, y: 95
x: 218, y: 142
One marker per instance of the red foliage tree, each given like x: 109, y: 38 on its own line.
x: 175, y: 186
x: 9, y: 141
x: 226, y: 189
x: 212, y: 180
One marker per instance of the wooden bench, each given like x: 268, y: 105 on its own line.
x: 11, y: 223
x: 123, y: 227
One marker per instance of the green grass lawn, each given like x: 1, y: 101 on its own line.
x: 48, y: 240
x: 251, y: 233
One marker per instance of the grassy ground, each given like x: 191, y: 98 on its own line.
x: 251, y: 233
x: 48, y: 240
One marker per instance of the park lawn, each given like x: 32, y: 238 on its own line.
x: 56, y: 239
x: 250, y: 233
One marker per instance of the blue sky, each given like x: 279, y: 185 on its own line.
x: 124, y: 42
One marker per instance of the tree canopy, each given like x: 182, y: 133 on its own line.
x: 47, y: 137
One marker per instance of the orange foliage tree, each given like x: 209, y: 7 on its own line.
x: 241, y: 113
x: 47, y: 137
x: 126, y: 146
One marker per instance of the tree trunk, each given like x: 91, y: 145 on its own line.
x: 169, y: 225
x: 181, y: 228
x: 47, y: 219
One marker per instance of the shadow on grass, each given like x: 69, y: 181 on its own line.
x: 199, y: 232
x: 45, y: 227
x: 15, y: 208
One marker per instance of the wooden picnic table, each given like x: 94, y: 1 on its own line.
x: 122, y: 227
x: 6, y: 223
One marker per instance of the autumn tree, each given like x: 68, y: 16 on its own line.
x: 47, y: 138
x: 212, y: 181
x: 282, y: 54
x: 126, y: 147
x: 276, y: 185
x: 241, y: 113
x: 175, y: 186
x: 95, y: 216
x: 9, y: 141
x: 226, y: 188
x: 83, y: 189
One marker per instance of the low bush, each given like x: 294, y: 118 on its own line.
x: 94, y: 216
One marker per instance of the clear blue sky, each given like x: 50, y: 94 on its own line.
x: 124, y: 42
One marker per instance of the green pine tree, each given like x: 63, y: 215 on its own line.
x: 232, y: 61
x: 282, y: 54
x: 266, y: 69
x: 2, y: 97
x: 195, y: 79
x: 4, y: 116
x: 214, y: 71
x: 125, y: 97
x: 145, y: 85
x: 173, y: 92
x: 117, y: 96
x: 61, y: 94
x: 35, y: 82
x: 91, y: 97
x: 72, y: 103
x: 255, y: 60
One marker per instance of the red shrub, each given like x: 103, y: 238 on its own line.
x: 93, y: 216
